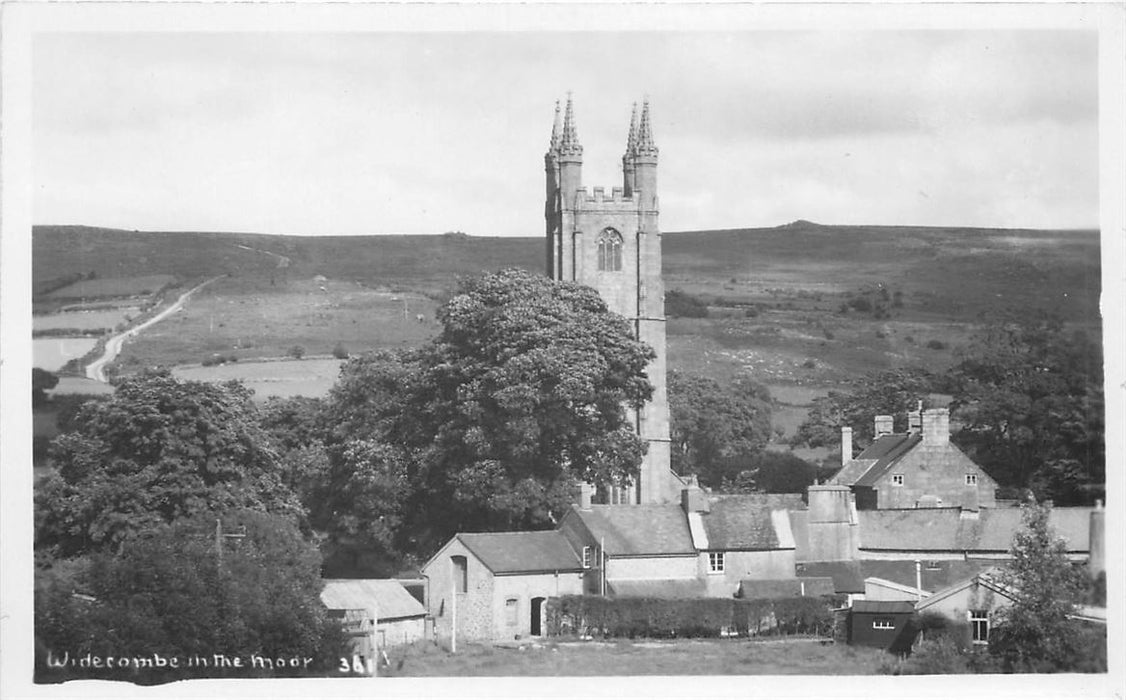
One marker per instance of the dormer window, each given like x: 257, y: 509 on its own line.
x: 609, y: 251
x: 897, y: 479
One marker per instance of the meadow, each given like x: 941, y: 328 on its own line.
x: 100, y: 287
x: 698, y: 657
x: 789, y: 306
x: 86, y: 321
x: 281, y: 378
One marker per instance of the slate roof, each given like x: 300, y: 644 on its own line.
x: 744, y: 521
x: 659, y: 588
x: 945, y: 530
x: 639, y: 530
x: 882, y: 606
x: 392, y: 601
x: 522, y: 552
x: 785, y: 587
x: 846, y: 575
x: 887, y: 451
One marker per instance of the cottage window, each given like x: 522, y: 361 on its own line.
x: 609, y: 250
x: 461, y: 573
x: 883, y: 623
x: 979, y: 626
x: 588, y: 557
x: 715, y: 562
x: 511, y: 608
x: 897, y: 479
x: 971, y: 479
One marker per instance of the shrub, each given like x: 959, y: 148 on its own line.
x: 861, y: 304
x: 297, y: 352
x: 750, y: 311
x: 936, y: 345
x: 678, y: 303
x: 339, y: 352
x: 809, y: 364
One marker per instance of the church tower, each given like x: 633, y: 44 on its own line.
x: 613, y: 244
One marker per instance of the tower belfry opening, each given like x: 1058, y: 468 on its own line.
x: 613, y: 244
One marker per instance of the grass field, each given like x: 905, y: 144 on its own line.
x: 252, y: 319
x: 638, y: 658
x: 52, y: 353
x: 83, y: 320
x: 284, y: 378
x: 796, y: 276
x: 113, y: 287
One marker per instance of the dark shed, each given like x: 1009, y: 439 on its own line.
x: 883, y: 624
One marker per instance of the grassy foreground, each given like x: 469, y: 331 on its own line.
x: 794, y: 656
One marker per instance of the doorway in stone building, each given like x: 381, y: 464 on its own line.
x: 537, y: 617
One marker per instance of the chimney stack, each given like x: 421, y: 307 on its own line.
x: 936, y: 427
x: 915, y: 419
x: 586, y: 494
x: 846, y: 446
x: 884, y: 426
x: 694, y: 500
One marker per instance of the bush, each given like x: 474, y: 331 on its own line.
x: 696, y: 617
x: 297, y: 352
x: 809, y: 364
x: 339, y: 352
x: 936, y: 345
x: 678, y: 303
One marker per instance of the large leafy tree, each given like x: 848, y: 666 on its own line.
x: 523, y: 393
x: 716, y: 430
x: 168, y: 592
x: 1029, y: 398
x: 1036, y: 633
x: 889, y: 392
x: 158, y: 450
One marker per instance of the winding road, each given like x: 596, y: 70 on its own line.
x: 96, y: 370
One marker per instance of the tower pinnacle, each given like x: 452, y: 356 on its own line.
x: 555, y: 134
x: 569, y: 144
x: 645, y: 145
x: 631, y: 140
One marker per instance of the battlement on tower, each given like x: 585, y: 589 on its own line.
x: 597, y: 199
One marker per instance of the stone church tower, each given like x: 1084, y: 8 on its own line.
x: 612, y: 242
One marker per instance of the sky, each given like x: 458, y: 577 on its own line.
x: 400, y: 132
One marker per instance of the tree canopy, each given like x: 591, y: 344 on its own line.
x: 716, y: 430
x: 159, y: 449
x: 167, y: 592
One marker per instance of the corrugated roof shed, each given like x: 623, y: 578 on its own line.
x: 391, y: 600
x: 659, y: 588
x: 522, y: 552
x: 744, y: 522
x: 846, y: 575
x: 809, y: 586
x: 637, y: 530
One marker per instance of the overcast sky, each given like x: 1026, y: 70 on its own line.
x: 425, y: 133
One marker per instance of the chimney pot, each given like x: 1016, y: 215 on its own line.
x: 884, y: 425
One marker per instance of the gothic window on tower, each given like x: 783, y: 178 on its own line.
x: 609, y: 250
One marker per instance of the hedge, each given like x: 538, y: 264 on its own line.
x: 661, y: 618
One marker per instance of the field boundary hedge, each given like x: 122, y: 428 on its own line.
x: 662, y: 618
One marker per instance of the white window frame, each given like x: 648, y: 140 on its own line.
x: 971, y: 479
x: 979, y: 620
x: 897, y: 479
x: 588, y: 557
x: 717, y: 562
x: 883, y: 623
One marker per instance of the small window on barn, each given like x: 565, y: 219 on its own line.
x: 461, y: 573
x: 979, y: 626
x: 588, y: 557
x: 971, y: 479
x: 715, y: 562
x: 511, y: 608
x: 897, y: 479
x: 883, y: 623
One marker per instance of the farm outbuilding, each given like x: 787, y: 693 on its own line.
x: 399, y: 618
x: 883, y: 624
